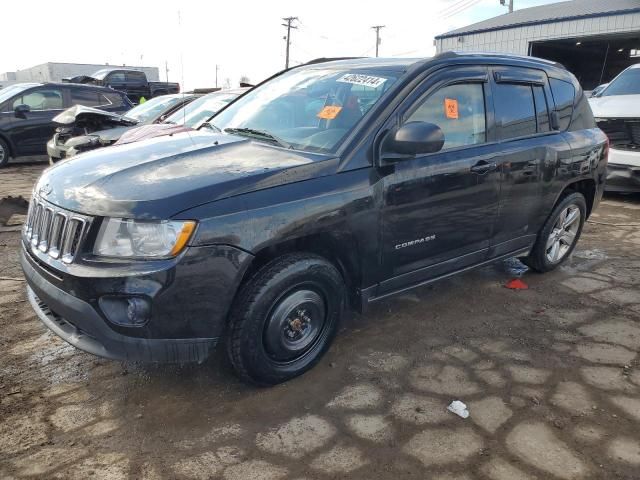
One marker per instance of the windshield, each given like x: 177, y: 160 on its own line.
x: 7, y: 92
x: 201, y: 109
x: 100, y: 74
x: 627, y: 83
x: 150, y: 110
x: 310, y: 109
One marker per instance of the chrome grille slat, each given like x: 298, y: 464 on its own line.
x: 54, y: 231
x: 45, y: 229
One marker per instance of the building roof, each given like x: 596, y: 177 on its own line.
x: 553, y: 12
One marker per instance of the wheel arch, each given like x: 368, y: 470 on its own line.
x: 340, y: 251
x: 587, y: 187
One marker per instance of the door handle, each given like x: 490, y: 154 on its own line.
x: 483, y: 167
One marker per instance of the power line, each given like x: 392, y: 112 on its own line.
x: 289, y: 21
x: 461, y: 8
x: 451, y: 7
x: 377, y: 29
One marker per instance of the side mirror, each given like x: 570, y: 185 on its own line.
x: 413, y: 138
x: 555, y: 120
x: 22, y: 110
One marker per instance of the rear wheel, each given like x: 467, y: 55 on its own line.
x: 560, y: 234
x: 4, y: 153
x: 285, y: 318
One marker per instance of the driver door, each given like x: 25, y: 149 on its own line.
x: 439, y: 209
x: 31, y: 132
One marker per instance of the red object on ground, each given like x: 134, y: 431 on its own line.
x: 516, y: 284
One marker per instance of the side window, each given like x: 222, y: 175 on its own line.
x: 115, y: 77
x: 515, y: 111
x: 458, y: 110
x: 542, y: 110
x: 88, y: 98
x: 136, y: 78
x: 41, y: 99
x: 563, y: 93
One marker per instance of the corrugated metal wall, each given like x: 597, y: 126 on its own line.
x: 516, y: 40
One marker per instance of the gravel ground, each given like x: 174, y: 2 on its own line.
x: 551, y: 376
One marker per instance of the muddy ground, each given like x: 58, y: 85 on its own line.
x: 551, y: 376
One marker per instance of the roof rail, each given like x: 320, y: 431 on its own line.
x: 329, y: 59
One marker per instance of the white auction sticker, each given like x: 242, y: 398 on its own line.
x: 358, y: 79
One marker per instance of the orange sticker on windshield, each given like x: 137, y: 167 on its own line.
x: 329, y: 112
x: 451, y: 107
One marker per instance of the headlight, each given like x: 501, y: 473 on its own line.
x: 122, y: 237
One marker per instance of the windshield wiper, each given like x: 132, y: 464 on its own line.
x: 260, y: 134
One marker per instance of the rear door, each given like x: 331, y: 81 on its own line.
x: 30, y: 134
x: 529, y: 155
x: 439, y: 208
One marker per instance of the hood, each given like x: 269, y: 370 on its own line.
x: 616, y: 106
x: 158, y: 178
x: 151, y: 131
x: 79, y: 115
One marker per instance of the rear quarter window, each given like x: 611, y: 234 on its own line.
x: 563, y: 95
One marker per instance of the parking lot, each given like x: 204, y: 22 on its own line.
x: 551, y: 376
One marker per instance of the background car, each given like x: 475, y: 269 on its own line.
x: 82, y: 128
x: 27, y: 111
x: 192, y: 116
x: 617, y: 113
x: 133, y: 83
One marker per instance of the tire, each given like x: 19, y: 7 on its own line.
x: 284, y: 318
x: 559, y: 235
x: 4, y: 153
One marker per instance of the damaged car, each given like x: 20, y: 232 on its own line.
x: 617, y: 112
x: 190, y: 117
x: 332, y: 185
x: 84, y: 128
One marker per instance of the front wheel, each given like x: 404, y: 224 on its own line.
x: 4, y: 153
x: 284, y: 318
x: 559, y: 235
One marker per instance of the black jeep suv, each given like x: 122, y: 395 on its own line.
x: 329, y: 185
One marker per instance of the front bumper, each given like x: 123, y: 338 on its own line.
x: 68, y: 307
x: 623, y: 171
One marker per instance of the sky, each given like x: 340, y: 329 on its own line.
x: 243, y: 38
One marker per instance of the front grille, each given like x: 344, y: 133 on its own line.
x: 55, y: 231
x: 622, y: 133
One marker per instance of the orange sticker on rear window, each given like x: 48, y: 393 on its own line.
x: 451, y: 107
x: 329, y: 112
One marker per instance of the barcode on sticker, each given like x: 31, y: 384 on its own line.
x: 358, y: 79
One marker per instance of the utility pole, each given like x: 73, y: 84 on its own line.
x: 377, y: 29
x: 504, y: 2
x: 217, y: 68
x: 289, y: 20
x: 166, y: 70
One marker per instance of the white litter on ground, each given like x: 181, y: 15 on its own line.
x: 458, y: 408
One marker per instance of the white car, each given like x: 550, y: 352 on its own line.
x: 617, y: 112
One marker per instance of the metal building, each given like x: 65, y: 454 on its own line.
x: 595, y: 39
x: 55, y: 72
